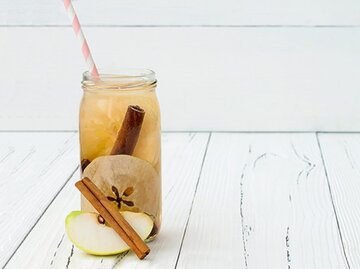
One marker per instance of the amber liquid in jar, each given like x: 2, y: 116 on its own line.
x: 123, y: 107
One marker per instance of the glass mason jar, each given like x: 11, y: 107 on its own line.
x: 120, y: 140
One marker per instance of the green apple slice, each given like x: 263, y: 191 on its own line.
x: 88, y: 234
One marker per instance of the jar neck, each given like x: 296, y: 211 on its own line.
x: 120, y: 80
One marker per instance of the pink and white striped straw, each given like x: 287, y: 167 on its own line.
x: 80, y: 35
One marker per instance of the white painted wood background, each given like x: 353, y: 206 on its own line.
x: 231, y: 200
x: 186, y: 12
x: 222, y: 65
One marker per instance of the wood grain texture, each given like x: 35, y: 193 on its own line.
x: 33, y: 168
x: 186, y: 12
x: 262, y: 202
x: 236, y: 79
x: 49, y: 248
x: 342, y: 160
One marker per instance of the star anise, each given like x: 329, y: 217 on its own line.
x: 121, y: 199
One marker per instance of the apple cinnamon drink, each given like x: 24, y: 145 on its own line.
x: 120, y: 140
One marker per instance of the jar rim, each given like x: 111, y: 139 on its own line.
x: 120, y: 73
x: 120, y: 79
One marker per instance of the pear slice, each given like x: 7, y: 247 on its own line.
x: 89, y: 234
x: 134, y: 180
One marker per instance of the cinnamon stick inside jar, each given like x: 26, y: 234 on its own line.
x: 84, y: 164
x: 129, y: 132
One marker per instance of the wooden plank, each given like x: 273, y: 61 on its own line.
x: 262, y: 202
x: 186, y: 12
x: 235, y: 79
x: 341, y: 154
x: 33, y: 168
x: 48, y: 247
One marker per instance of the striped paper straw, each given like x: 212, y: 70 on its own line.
x: 80, y: 35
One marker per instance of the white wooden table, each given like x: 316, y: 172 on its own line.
x: 230, y: 200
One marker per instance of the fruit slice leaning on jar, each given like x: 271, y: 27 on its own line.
x: 130, y: 183
x: 88, y: 232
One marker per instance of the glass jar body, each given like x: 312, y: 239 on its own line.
x: 120, y: 141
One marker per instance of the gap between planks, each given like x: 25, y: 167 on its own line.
x: 193, y: 199
x: 332, y: 201
x: 42, y: 214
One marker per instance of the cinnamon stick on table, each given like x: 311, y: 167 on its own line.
x: 113, y: 217
x: 129, y: 132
